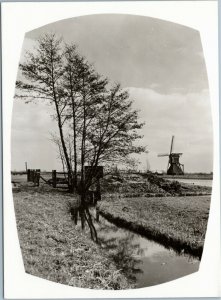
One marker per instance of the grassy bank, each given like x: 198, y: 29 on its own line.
x: 179, y: 222
x: 148, y: 185
x: 54, y: 249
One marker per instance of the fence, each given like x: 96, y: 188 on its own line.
x: 52, y: 178
x: 33, y: 176
x: 60, y: 179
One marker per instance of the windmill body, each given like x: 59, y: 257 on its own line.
x: 174, y: 166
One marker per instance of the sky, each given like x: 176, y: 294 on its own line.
x: 162, y: 66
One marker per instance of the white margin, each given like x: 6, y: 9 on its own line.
x: 19, y: 18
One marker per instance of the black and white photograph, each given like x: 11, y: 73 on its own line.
x: 112, y: 151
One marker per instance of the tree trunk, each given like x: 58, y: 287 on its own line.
x: 75, y: 146
x: 70, y: 181
x: 83, y: 190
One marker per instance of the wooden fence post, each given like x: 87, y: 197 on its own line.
x: 37, y: 176
x: 28, y: 175
x: 31, y: 175
x: 34, y: 176
x: 54, y: 178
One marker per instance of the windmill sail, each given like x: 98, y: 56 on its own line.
x: 171, y: 147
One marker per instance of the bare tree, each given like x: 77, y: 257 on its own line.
x: 104, y: 126
x: 71, y: 82
x: 42, y: 74
x: 85, y: 89
x: 111, y: 133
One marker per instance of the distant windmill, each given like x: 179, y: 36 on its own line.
x: 174, y: 167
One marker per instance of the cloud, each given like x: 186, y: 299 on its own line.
x: 149, y: 50
x: 30, y: 136
x: 161, y: 62
x: 188, y: 117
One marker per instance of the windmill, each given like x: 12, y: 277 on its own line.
x: 174, y: 167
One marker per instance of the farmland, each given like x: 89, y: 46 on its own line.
x: 54, y: 248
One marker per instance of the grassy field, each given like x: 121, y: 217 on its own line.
x: 179, y: 222
x: 53, y: 248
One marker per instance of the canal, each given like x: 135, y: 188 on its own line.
x: 143, y: 261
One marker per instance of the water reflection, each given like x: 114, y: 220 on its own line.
x: 143, y: 261
x: 83, y: 213
x: 124, y: 254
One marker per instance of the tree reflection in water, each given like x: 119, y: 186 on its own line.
x: 122, y: 250
x: 83, y: 213
x: 118, y: 243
